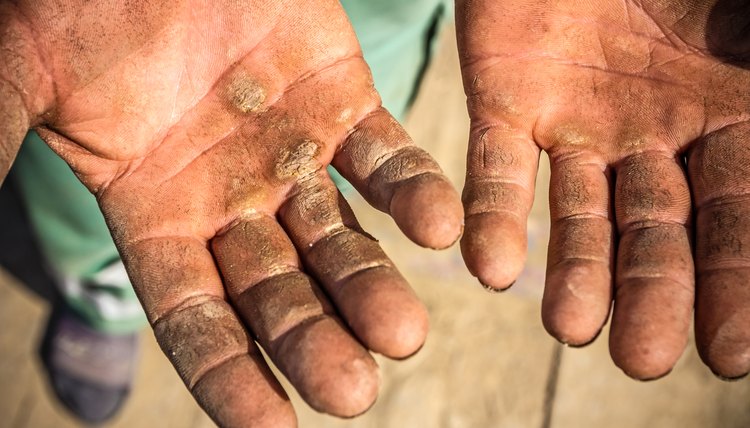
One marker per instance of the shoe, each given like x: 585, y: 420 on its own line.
x: 90, y: 372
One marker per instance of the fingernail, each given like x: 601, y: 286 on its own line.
x: 496, y: 290
x: 729, y: 379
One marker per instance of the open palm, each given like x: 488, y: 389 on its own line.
x: 644, y: 110
x: 204, y: 129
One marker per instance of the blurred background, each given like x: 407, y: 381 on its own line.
x: 487, y: 362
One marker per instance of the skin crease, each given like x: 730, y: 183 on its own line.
x: 618, y: 93
x: 204, y: 129
x: 195, y: 123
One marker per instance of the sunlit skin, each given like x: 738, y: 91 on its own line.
x: 644, y: 110
x: 204, y: 129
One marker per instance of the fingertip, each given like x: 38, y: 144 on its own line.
x: 428, y: 210
x: 728, y: 357
x: 494, y: 290
x: 241, y: 392
x: 576, y: 301
x: 356, y: 391
x: 721, y: 314
x: 647, y: 360
x: 650, y: 323
x: 731, y: 378
x: 569, y: 329
x: 398, y: 336
x: 494, y: 249
x: 732, y: 366
x: 331, y: 371
x: 384, y: 313
x: 647, y: 374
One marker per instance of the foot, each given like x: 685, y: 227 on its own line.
x: 90, y: 372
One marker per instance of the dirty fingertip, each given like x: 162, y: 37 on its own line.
x: 428, y: 210
x: 494, y: 249
x: 576, y: 301
x: 385, y: 313
x: 243, y: 391
x: 332, y: 372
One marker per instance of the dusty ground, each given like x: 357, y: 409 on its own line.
x: 487, y: 362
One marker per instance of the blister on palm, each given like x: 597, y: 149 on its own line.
x: 205, y: 129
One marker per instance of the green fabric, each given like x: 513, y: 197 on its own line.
x: 94, y: 318
x: 394, y: 38
x: 394, y: 35
x: 64, y: 214
x: 75, y: 240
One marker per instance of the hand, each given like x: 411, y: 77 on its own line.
x: 205, y: 129
x: 618, y: 94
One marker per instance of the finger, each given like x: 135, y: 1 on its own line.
x: 578, y: 288
x: 719, y: 169
x: 292, y: 319
x: 654, y: 286
x: 183, y: 296
x: 371, y: 295
x: 497, y: 197
x: 397, y: 177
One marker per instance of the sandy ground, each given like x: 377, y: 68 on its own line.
x: 487, y: 362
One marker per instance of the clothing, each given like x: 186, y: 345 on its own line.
x: 396, y: 38
x: 75, y: 241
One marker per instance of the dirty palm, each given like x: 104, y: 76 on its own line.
x: 643, y: 108
x: 204, y: 129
